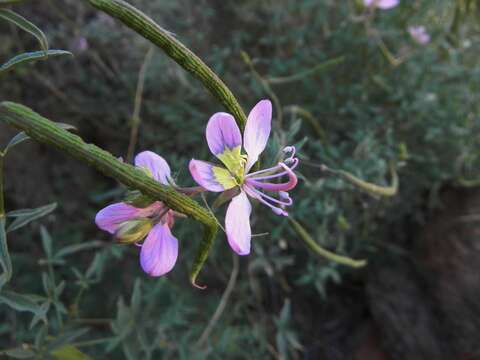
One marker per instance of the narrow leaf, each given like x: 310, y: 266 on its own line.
x: 41, y: 315
x: 25, y: 216
x: 22, y: 136
x: 136, y: 296
x: 20, y: 353
x: 72, y: 249
x: 5, y: 262
x: 25, y: 25
x: 31, y: 57
x: 46, y: 242
x: 17, y: 139
x: 19, y: 302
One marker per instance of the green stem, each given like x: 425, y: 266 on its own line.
x: 313, y: 245
x: 47, y: 132
x: 149, y: 29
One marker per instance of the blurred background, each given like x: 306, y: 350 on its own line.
x: 352, y: 89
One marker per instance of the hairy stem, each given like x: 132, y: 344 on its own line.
x: 47, y: 132
x: 149, y: 29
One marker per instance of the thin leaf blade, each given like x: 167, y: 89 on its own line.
x: 17, y: 139
x: 26, y: 216
x: 5, y: 261
x: 26, y: 25
x: 29, y: 57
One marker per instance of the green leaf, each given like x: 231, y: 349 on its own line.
x: 72, y: 249
x: 19, y: 302
x: 17, y: 139
x: 96, y: 266
x: 22, y: 302
x: 22, y: 136
x: 20, y: 353
x: 46, y: 242
x: 31, y: 57
x: 25, y: 216
x: 69, y: 352
x: 25, y: 25
x: 41, y: 315
x: 5, y: 262
x: 136, y: 296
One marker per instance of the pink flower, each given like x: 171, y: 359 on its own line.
x: 381, y: 4
x: 130, y: 224
x: 225, y: 142
x: 419, y: 34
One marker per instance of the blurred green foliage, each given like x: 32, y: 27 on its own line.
x: 76, y: 293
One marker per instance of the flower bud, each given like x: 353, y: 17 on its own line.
x: 133, y: 230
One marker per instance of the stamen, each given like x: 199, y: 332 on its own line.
x: 274, y: 168
x: 259, y: 196
x: 292, y: 181
x: 283, y: 173
x: 288, y: 201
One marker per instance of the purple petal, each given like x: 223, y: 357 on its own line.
x: 112, y: 216
x: 154, y: 163
x: 382, y: 4
x: 222, y: 133
x: 159, y: 251
x: 257, y: 131
x: 211, y: 177
x: 237, y: 224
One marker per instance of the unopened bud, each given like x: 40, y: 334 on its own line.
x: 133, y: 230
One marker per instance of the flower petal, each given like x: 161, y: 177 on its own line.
x: 110, y: 217
x: 211, y: 177
x: 224, y: 139
x: 237, y: 224
x: 155, y: 164
x: 257, y: 131
x: 159, y: 251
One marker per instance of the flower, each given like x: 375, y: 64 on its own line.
x: 225, y: 142
x: 419, y: 34
x: 381, y: 4
x: 130, y: 224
